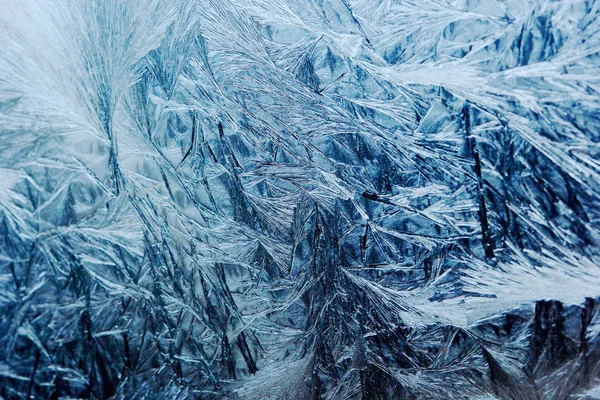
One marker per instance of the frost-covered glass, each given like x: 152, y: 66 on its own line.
x: 300, y: 199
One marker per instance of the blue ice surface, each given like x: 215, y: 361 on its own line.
x: 298, y: 199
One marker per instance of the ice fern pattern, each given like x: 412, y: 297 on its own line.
x: 300, y: 199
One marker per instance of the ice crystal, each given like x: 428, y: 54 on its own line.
x: 300, y: 199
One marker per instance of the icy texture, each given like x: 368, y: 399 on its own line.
x: 300, y: 199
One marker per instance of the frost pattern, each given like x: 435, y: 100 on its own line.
x: 295, y: 199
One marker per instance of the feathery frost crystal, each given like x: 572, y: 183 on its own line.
x: 300, y: 199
